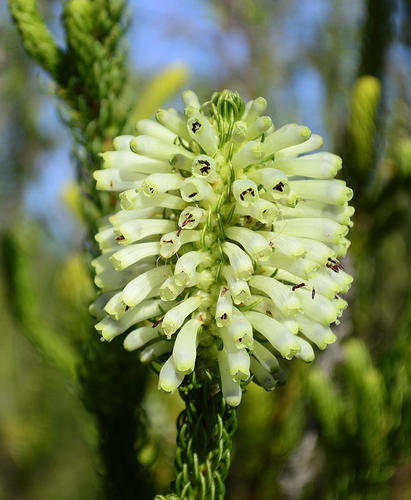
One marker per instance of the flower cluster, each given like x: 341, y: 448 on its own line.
x: 225, y: 249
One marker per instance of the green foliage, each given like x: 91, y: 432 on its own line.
x: 36, y: 37
x: 362, y: 126
x: 358, y: 414
x: 25, y: 301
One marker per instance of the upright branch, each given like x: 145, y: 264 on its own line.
x: 90, y: 79
x: 205, y: 430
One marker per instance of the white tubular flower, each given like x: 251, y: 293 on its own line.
x: 281, y: 294
x: 130, y: 162
x: 122, y: 142
x: 231, y: 388
x: 169, y: 290
x: 194, y: 189
x: 171, y: 243
x: 240, y: 330
x: 169, y: 378
x: 139, y: 288
x: 252, y: 152
x: 185, y: 346
x: 147, y: 145
x: 223, y: 250
x: 154, y: 129
x: 274, y: 181
x: 175, y: 317
x: 173, y: 122
x: 317, y: 166
x: 224, y: 308
x: 288, y: 245
x: 254, y: 109
x: 338, y: 213
x: 138, y: 229
x: 245, y: 192
x: 239, y: 260
x: 259, y: 127
x: 284, y: 137
x: 325, y: 230
x: 191, y: 217
x: 114, y: 179
x: 204, y: 167
x: 252, y: 242
x: 262, y: 210
x: 190, y: 98
x: 238, y: 359
x: 332, y: 191
x: 160, y: 183
x: 278, y: 336
x: 185, y: 270
x: 239, y: 134
x: 203, y: 132
x: 134, y: 253
x: 140, y: 337
x: 311, y: 144
x: 239, y: 289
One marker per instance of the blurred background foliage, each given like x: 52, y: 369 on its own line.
x: 340, y: 428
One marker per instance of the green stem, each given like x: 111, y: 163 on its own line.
x: 205, y: 430
x: 113, y: 382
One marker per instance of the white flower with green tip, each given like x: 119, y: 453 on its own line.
x: 223, y: 252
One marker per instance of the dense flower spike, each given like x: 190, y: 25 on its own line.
x: 225, y: 249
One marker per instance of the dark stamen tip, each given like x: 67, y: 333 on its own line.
x: 195, y: 127
x: 297, y: 286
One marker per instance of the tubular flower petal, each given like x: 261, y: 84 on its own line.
x: 224, y: 248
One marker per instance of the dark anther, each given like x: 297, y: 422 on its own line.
x: 127, y: 308
x: 334, y: 265
x: 192, y: 195
x: 223, y: 291
x: 119, y: 238
x: 187, y: 220
x: 204, y: 170
x: 270, y: 244
x: 269, y: 313
x: 224, y: 316
x: 204, y: 162
x: 297, y: 286
x: 313, y: 294
x: 179, y: 231
x: 167, y: 241
x: 196, y: 126
x: 279, y: 187
x: 249, y: 190
x: 157, y: 323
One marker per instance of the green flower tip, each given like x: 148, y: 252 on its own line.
x: 226, y: 244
